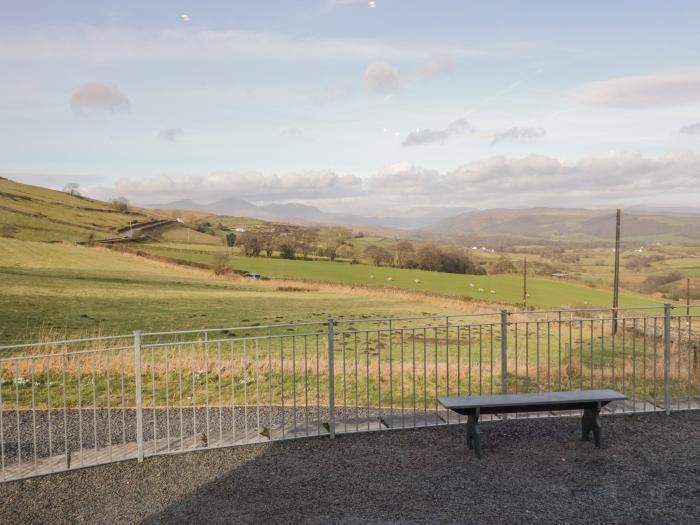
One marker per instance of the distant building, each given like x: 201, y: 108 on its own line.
x: 560, y: 275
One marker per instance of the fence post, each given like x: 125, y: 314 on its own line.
x: 139, y: 402
x: 667, y: 357
x: 504, y: 351
x: 331, y: 380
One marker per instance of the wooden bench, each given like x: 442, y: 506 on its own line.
x: 590, y: 401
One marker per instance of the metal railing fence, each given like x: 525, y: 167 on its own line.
x: 74, y: 403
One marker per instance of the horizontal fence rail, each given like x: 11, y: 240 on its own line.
x: 82, y: 402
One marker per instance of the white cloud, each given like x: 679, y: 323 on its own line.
x: 662, y: 89
x: 381, y: 79
x: 248, y: 185
x: 440, y: 63
x: 532, y: 180
x: 428, y: 136
x: 616, y: 178
x: 95, y: 96
x: 518, y: 134
x: 691, y: 129
x: 169, y: 134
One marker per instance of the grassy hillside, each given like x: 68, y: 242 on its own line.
x: 63, y: 290
x: 39, y: 214
x: 570, y: 225
x: 544, y: 292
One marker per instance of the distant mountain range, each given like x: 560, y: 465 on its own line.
x: 569, y: 224
x: 412, y: 218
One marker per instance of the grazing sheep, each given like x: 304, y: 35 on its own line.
x: 417, y: 281
x: 481, y: 289
x: 471, y: 285
x: 493, y: 291
x: 389, y: 278
x: 371, y: 276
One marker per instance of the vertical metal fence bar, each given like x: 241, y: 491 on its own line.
x: 367, y: 375
x: 94, y: 404
x: 80, y: 412
x: 481, y: 359
x: 306, y: 384
x: 233, y: 395
x: 469, y: 355
x: 179, y: 374
x: 269, y: 379
x: 391, y: 373
x: 318, y: 387
x: 667, y: 358
x: 294, y: 382
x: 331, y: 380
x: 2, y: 428
x: 435, y: 339
x: 690, y: 361
x: 32, y: 361
x: 413, y: 347
x: 66, y: 451
x: 425, y: 376
x: 491, y: 358
x: 206, y: 390
x: 245, y: 393
x: 139, y: 401
x: 504, y: 351
x: 644, y: 363
x: 221, y: 402
x: 537, y: 354
x: 194, y: 395
x: 48, y: 405
x: 357, y: 387
x: 166, y: 359
x: 257, y: 384
x: 17, y: 407
x: 447, y: 363
x: 153, y: 392
x: 403, y: 423
x: 345, y: 384
x: 655, y: 363
x: 634, y: 364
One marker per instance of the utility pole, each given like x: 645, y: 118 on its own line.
x: 525, y: 282
x: 616, y: 284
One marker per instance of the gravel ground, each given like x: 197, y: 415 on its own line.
x: 648, y: 471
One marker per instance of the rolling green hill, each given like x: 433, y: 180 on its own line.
x: 570, y: 225
x: 39, y: 214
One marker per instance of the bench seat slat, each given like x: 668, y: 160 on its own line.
x: 567, y: 400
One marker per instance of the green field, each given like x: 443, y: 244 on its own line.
x: 59, y: 290
x: 544, y: 292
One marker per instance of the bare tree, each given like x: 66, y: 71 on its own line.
x: 72, y: 188
x: 120, y: 204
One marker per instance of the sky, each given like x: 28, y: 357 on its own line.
x: 353, y: 105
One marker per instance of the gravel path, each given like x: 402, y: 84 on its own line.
x: 648, y: 471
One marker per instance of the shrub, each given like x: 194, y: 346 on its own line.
x: 503, y: 265
x: 220, y: 264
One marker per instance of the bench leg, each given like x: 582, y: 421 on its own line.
x: 591, y: 423
x: 473, y: 435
